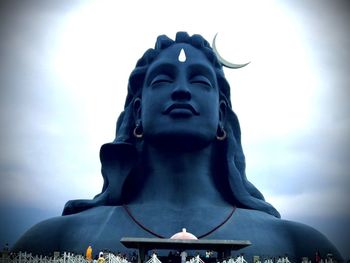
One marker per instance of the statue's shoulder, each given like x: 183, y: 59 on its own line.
x: 295, y: 230
x: 43, y: 235
x: 64, y: 233
x: 267, y: 233
x: 306, y: 238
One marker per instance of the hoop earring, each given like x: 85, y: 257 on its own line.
x: 138, y: 131
x: 221, y: 134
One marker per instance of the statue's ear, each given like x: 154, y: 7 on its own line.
x: 137, y: 109
x: 222, y: 112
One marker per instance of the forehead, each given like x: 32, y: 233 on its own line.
x: 170, y: 56
x: 192, y: 54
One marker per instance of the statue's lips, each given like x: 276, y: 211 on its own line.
x: 180, y: 108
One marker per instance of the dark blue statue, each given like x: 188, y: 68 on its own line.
x: 176, y: 162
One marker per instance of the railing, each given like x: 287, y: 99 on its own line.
x: 153, y: 259
x: 111, y: 258
x: 64, y: 258
x: 196, y: 259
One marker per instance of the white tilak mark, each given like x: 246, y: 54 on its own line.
x: 182, y: 55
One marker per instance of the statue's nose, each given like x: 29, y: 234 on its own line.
x: 181, y: 92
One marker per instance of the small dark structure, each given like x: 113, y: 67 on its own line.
x: 222, y: 247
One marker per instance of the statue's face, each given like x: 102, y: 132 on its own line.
x: 180, y: 99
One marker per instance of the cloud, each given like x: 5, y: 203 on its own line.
x: 325, y: 203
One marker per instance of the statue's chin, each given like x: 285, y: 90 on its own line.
x: 180, y: 141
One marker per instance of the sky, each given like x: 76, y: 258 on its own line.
x: 64, y: 67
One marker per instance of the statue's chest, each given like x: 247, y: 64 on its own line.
x: 105, y: 226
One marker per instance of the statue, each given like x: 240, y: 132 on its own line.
x: 176, y: 162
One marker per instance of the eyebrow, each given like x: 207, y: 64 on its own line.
x: 197, y: 68
x: 166, y: 68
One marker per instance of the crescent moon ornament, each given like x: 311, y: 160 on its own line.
x: 223, y: 61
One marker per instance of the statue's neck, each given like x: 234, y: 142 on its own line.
x: 178, y: 179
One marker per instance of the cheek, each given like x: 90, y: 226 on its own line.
x: 150, y: 113
x: 211, y: 110
x: 213, y: 121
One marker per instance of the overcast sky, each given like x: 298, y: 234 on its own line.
x: 63, y: 78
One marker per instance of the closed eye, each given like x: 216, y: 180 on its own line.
x: 161, y: 78
x: 200, y: 79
